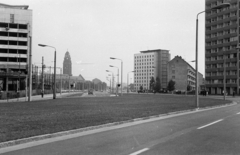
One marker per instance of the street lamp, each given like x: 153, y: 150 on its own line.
x: 121, y: 72
x: 112, y: 79
x: 128, y: 78
x: 109, y: 83
x: 117, y: 75
x: 223, y: 5
x: 54, y: 87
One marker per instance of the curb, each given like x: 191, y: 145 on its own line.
x: 63, y: 133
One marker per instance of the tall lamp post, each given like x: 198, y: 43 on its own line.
x: 109, y: 83
x: 223, y: 5
x: 54, y: 87
x: 112, y: 79
x: 117, y: 75
x: 127, y: 80
x: 121, y: 72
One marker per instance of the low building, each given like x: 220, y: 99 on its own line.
x: 183, y: 74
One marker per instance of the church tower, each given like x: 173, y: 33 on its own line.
x: 67, y: 64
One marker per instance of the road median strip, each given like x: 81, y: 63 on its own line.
x: 63, y: 133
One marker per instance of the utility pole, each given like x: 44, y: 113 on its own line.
x: 224, y: 79
x: 42, y: 74
x: 30, y: 70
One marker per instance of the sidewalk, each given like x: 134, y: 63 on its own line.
x: 39, y: 97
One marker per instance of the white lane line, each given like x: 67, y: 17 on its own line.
x: 140, y: 151
x: 238, y: 113
x: 210, y: 124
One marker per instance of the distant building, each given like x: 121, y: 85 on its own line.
x: 15, y: 32
x: 148, y: 64
x: 67, y: 64
x: 183, y: 74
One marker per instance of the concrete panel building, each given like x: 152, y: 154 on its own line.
x: 148, y: 64
x: 15, y: 35
x: 221, y: 40
x: 183, y: 74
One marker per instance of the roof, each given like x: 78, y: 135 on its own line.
x: 23, y: 7
x: 150, y: 51
x: 179, y: 57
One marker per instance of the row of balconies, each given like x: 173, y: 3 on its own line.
x: 210, y: 66
x: 232, y: 47
x: 221, y: 25
x: 210, y: 5
x: 232, y: 32
x: 225, y: 29
x: 221, y: 17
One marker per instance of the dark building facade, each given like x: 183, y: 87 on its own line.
x: 67, y: 64
x: 221, y: 40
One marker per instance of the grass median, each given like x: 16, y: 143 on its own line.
x: 26, y: 119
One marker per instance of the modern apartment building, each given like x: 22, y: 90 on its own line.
x: 67, y: 64
x: 148, y: 64
x: 15, y: 34
x: 183, y: 74
x: 221, y: 40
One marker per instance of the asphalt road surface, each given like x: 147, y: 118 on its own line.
x: 204, y: 132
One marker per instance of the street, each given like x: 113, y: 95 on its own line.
x: 204, y: 132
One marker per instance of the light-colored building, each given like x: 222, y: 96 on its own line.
x: 148, y: 64
x: 15, y: 35
x: 221, y: 39
x: 183, y: 74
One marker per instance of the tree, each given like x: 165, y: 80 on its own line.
x: 152, y: 83
x: 157, y: 85
x: 171, y: 85
x: 188, y: 87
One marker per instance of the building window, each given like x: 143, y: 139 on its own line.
x: 11, y: 18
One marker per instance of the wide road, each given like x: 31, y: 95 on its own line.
x: 204, y: 132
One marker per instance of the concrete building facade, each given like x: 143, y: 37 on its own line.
x: 15, y: 35
x: 67, y: 64
x: 221, y: 40
x: 183, y: 74
x: 148, y: 64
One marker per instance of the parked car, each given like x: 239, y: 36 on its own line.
x: 90, y: 92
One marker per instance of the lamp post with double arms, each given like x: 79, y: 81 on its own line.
x: 223, y: 5
x: 54, y: 85
x: 121, y: 72
x: 112, y: 79
x: 117, y: 76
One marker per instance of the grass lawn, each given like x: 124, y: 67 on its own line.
x: 24, y: 119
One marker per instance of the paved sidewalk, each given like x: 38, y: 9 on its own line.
x: 39, y: 97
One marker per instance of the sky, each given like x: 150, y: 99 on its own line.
x: 95, y: 30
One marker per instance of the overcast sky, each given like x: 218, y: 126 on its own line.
x: 94, y: 30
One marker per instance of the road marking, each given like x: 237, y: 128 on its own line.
x: 140, y: 151
x: 210, y: 124
x: 238, y: 113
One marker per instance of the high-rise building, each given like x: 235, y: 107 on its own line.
x: 67, y: 64
x: 148, y: 64
x: 15, y: 35
x: 221, y: 40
